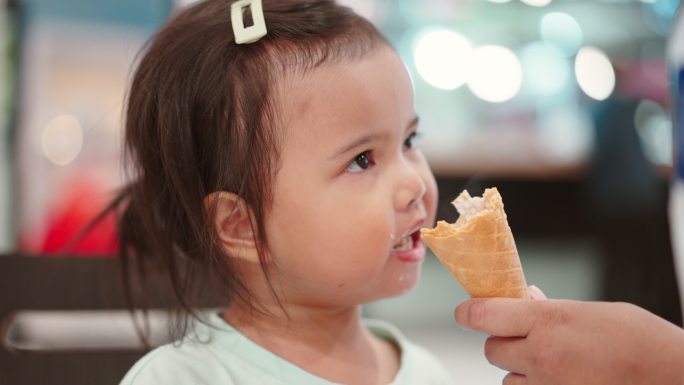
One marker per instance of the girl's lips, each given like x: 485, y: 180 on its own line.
x: 415, y: 254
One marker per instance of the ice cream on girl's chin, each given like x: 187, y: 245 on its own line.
x: 479, y: 249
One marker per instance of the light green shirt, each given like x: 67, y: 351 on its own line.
x: 222, y: 355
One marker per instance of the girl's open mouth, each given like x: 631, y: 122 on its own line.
x: 408, y: 242
x: 409, y: 249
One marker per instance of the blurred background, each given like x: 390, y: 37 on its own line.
x: 564, y: 105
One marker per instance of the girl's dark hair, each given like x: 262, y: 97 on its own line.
x: 202, y: 117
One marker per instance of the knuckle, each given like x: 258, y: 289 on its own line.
x: 477, y: 314
x: 549, y: 361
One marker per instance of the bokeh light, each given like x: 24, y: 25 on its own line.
x: 594, y: 73
x: 442, y: 58
x: 546, y: 70
x: 562, y: 30
x: 62, y: 140
x: 654, y: 127
x: 496, y: 74
x: 537, y: 3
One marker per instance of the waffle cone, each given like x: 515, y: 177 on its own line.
x: 479, y: 250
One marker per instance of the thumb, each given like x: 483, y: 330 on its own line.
x: 502, y: 317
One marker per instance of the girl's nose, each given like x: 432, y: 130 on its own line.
x: 411, y: 186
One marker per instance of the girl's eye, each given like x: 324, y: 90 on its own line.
x: 408, y: 143
x: 361, y: 163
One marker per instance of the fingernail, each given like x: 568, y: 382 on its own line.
x: 535, y: 292
x: 461, y: 315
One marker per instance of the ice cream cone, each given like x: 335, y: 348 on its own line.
x: 479, y: 250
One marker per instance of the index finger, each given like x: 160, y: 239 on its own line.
x: 503, y: 317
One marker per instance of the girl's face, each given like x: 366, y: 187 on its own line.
x: 353, y: 190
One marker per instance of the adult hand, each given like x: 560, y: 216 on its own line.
x: 553, y: 342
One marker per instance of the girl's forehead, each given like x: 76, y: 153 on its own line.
x: 301, y: 88
x: 339, y: 97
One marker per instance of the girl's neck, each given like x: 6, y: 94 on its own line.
x: 332, y: 344
x: 316, y: 328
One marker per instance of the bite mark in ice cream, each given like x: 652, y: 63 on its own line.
x: 479, y: 249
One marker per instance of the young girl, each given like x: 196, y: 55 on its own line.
x: 286, y: 168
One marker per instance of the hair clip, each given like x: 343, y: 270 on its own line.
x: 245, y: 35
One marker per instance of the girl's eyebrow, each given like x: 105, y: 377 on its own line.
x: 413, y: 123
x: 364, y: 140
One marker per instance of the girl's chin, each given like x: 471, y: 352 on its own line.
x: 406, y: 281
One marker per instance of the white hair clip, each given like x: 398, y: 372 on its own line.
x: 245, y: 35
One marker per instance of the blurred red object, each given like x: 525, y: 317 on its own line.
x: 80, y: 203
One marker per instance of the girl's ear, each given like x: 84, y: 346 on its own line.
x: 232, y: 220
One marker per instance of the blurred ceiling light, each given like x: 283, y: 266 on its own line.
x: 537, y: 3
x: 442, y: 58
x: 563, y: 30
x: 655, y: 132
x: 62, y: 140
x: 496, y: 74
x: 545, y: 68
x: 646, y: 109
x: 594, y: 73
